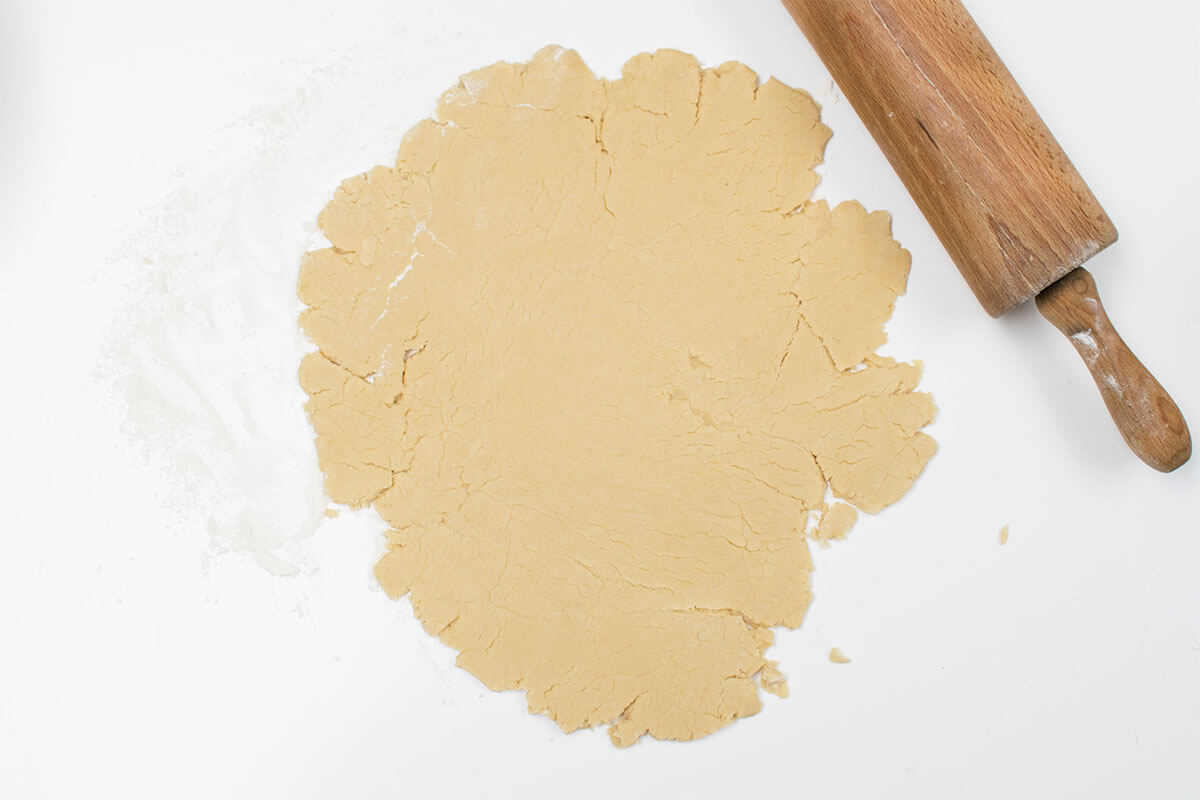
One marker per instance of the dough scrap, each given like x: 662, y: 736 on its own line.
x: 837, y: 657
x: 773, y: 680
x: 836, y: 521
x: 594, y: 354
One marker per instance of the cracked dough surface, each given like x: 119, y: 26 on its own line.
x: 594, y: 354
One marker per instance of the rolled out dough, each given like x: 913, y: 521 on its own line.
x: 594, y: 354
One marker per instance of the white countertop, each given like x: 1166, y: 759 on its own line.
x: 162, y: 168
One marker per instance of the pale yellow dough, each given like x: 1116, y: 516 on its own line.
x: 837, y: 657
x: 594, y: 355
x: 836, y: 521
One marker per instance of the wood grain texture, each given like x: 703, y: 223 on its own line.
x: 1000, y: 193
x: 1145, y: 414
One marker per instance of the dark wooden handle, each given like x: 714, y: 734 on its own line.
x: 1000, y: 193
x: 1145, y: 414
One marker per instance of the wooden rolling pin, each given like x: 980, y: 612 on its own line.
x: 1008, y: 205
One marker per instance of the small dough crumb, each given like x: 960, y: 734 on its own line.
x: 594, y: 354
x: 1004, y: 535
x: 773, y: 680
x: 331, y: 512
x: 836, y: 656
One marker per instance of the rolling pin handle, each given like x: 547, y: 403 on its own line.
x: 1145, y: 414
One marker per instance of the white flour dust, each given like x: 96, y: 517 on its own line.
x: 203, y: 354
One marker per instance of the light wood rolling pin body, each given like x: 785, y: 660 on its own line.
x: 1000, y: 193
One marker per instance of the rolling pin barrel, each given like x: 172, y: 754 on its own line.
x: 1011, y: 210
x: 1002, y: 196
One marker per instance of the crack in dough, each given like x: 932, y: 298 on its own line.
x: 594, y: 354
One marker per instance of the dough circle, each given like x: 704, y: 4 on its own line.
x: 594, y: 354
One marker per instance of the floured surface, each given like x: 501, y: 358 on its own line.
x: 594, y: 356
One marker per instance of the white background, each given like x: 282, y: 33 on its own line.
x: 160, y: 168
